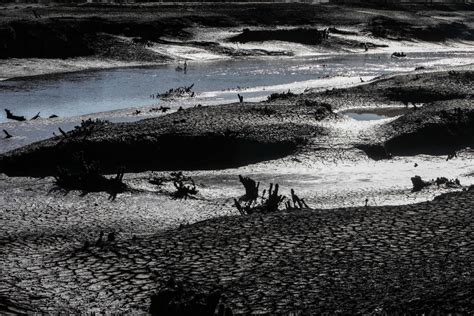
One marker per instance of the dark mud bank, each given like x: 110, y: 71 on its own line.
x: 300, y: 35
x: 72, y: 37
x: 439, y: 129
x: 439, y: 115
x: 439, y: 119
x: 198, y: 138
x: 387, y: 27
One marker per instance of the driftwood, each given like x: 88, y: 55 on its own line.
x: 185, y: 186
x: 268, y: 202
x: 163, y: 109
x: 89, y: 179
x: 11, y: 116
x: 297, y: 202
x: 399, y: 54
x: 62, y: 132
x: 37, y: 116
x: 283, y: 95
x: 419, y: 184
x: 180, y: 92
x: 251, y: 188
x: 7, y: 134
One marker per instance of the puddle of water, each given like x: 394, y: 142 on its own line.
x: 365, y: 116
x: 373, y: 114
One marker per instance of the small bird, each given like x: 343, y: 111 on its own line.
x: 361, y: 80
x: 366, y: 202
x: 415, y: 165
x: 8, y: 135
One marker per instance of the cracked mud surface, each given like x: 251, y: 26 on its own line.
x: 343, y: 260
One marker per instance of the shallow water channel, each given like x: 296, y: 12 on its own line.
x: 80, y: 93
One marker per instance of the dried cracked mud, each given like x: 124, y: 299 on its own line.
x: 353, y: 260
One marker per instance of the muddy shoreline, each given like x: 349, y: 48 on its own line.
x: 438, y: 121
x: 128, y: 34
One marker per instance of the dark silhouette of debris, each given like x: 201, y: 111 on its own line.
x: 88, y: 179
x: 53, y: 116
x: 11, y: 116
x: 8, y: 135
x: 399, y: 54
x: 451, y: 156
x: 251, y: 188
x: 180, y: 92
x: 418, y: 184
x: 185, y: 186
x: 164, y: 109
x: 263, y: 203
x: 62, y: 132
x: 241, y: 98
x: 283, y: 95
x: 37, y: 116
x: 297, y: 202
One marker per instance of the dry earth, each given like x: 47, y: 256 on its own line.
x: 415, y: 258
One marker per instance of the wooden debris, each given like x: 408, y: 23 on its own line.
x: 8, y: 135
x: 11, y: 116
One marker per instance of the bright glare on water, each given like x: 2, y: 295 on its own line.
x: 87, y: 92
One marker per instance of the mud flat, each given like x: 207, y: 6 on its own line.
x: 96, y: 36
x: 439, y: 117
x: 198, y: 138
x: 411, y: 258
x: 233, y: 135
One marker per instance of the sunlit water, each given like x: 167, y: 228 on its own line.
x: 328, y: 178
x: 87, y: 92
